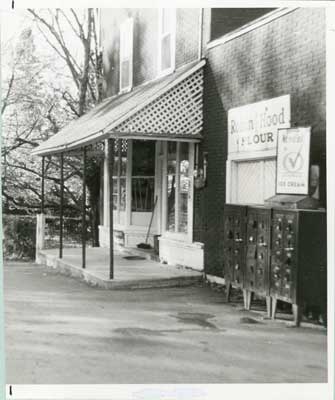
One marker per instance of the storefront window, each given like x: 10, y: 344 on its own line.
x: 143, y: 176
x: 171, y: 185
x: 119, y: 175
x: 178, y: 186
x: 184, y: 186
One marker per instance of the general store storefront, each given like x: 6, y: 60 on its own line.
x: 151, y: 134
x: 270, y: 208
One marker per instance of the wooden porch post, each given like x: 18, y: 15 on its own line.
x: 111, y: 236
x: 83, y: 237
x: 40, y: 221
x: 61, y: 205
x: 42, y: 188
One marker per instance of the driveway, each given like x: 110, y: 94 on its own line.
x: 59, y: 330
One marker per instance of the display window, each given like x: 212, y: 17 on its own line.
x: 143, y: 176
x: 119, y: 179
x: 178, y: 187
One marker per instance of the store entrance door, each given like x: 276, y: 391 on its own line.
x: 253, y: 181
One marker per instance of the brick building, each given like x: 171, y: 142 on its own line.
x: 281, y: 53
x: 180, y: 86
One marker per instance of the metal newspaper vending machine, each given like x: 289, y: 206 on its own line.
x: 280, y: 251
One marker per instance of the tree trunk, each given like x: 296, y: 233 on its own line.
x: 85, y: 77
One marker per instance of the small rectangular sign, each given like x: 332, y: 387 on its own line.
x: 293, y: 160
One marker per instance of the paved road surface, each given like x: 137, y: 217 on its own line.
x: 58, y: 330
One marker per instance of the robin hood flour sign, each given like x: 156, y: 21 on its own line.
x: 253, y: 127
x: 293, y: 160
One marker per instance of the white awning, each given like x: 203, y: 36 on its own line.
x: 169, y: 108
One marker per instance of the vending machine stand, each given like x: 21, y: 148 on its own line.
x: 257, y: 262
x: 278, y: 251
x: 298, y: 268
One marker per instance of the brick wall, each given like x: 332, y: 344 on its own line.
x: 145, y: 50
x: 285, y: 56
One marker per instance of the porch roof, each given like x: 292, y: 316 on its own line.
x: 168, y: 108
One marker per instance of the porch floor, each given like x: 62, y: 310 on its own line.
x: 128, y: 274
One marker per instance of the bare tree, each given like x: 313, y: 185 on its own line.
x: 32, y: 110
x: 85, y: 73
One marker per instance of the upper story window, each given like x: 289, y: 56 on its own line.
x: 126, y: 55
x: 167, y: 40
x: 225, y: 20
x: 97, y: 24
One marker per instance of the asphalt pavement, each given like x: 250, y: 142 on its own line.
x: 59, y: 330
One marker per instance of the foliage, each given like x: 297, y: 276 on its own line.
x: 29, y: 110
x: 43, y: 92
x: 19, y: 235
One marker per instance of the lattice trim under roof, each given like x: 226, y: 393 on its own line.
x: 176, y: 112
x: 169, y: 108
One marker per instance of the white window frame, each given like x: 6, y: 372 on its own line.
x: 97, y: 17
x: 126, y: 41
x: 231, y: 172
x: 161, y: 36
x: 182, y: 236
x: 117, y: 177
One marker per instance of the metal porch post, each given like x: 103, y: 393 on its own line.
x: 61, y: 218
x: 111, y: 238
x: 42, y: 188
x: 83, y: 238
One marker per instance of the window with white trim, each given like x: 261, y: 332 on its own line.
x: 253, y: 181
x: 126, y: 55
x: 143, y: 176
x: 178, y: 187
x: 119, y: 177
x: 167, y: 40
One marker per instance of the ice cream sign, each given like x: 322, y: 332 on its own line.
x: 253, y: 127
x: 293, y: 160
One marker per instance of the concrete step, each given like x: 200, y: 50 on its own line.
x: 148, y: 254
x: 162, y: 276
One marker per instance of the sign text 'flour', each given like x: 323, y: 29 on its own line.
x: 253, y: 127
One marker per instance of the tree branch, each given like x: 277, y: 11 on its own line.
x: 10, y: 85
x: 64, y: 49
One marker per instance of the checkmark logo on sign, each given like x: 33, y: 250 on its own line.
x: 293, y: 161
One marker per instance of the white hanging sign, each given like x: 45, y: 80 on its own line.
x: 253, y: 127
x: 293, y: 160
